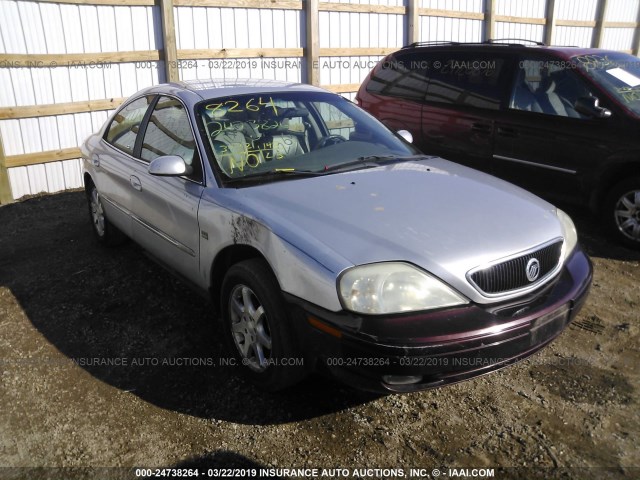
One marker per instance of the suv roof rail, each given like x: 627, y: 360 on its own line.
x: 431, y: 42
x: 512, y: 41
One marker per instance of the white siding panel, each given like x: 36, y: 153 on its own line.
x: 72, y: 28
x: 476, y: 6
x: 90, y: 27
x: 574, y: 36
x: 19, y: 180
x: 52, y: 20
x: 576, y: 9
x: 11, y: 29
x: 55, y: 177
x: 37, y: 175
x: 618, y: 38
x: 622, y: 10
x: 72, y: 173
x: 522, y: 31
x: 450, y: 29
x: 11, y: 137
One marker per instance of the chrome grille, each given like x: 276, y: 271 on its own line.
x: 512, y: 274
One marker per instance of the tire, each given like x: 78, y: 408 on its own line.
x: 256, y: 326
x: 104, y: 231
x: 622, y: 212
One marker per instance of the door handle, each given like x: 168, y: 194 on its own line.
x: 483, y: 128
x: 135, y: 182
x: 96, y: 161
x: 507, y: 132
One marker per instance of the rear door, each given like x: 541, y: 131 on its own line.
x: 115, y: 162
x: 542, y: 143
x: 165, y: 209
x: 464, y: 95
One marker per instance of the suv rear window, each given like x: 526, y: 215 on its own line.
x: 403, y: 76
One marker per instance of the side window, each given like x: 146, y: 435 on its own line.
x: 169, y: 133
x: 123, y: 131
x: 547, y: 86
x: 466, y: 80
x: 401, y: 76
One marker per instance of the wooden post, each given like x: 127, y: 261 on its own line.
x: 598, y: 31
x: 550, y: 26
x: 489, y: 19
x: 413, y: 21
x: 312, y: 49
x: 635, y: 47
x: 169, y: 41
x: 6, y: 196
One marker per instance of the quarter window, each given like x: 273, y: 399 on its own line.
x: 403, y: 76
x: 123, y: 131
x: 169, y: 133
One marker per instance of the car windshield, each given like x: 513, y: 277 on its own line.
x: 617, y: 73
x: 294, y: 133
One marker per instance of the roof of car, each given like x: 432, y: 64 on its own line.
x: 215, y: 88
x: 564, y: 51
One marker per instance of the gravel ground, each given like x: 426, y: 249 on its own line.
x: 570, y: 411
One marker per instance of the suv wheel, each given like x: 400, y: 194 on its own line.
x: 105, y: 232
x: 256, y: 326
x: 622, y: 210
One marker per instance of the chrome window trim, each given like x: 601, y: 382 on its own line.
x: 534, y: 164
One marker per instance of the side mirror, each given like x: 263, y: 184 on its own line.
x: 406, y: 134
x: 169, y: 166
x: 590, y: 106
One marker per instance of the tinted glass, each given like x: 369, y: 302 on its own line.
x: 618, y: 73
x: 547, y: 86
x: 169, y: 133
x: 404, y: 75
x: 466, y: 80
x: 123, y: 131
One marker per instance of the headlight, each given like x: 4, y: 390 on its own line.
x: 393, y: 288
x: 569, y: 233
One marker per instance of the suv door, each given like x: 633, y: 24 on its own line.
x: 542, y: 143
x: 165, y: 209
x: 115, y: 162
x: 463, y: 99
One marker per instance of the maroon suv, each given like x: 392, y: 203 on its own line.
x: 560, y: 121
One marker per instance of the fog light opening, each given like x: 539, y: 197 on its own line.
x: 401, y: 379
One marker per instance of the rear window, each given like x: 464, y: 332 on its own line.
x: 401, y: 76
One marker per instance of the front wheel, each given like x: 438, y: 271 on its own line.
x: 622, y: 212
x: 256, y: 326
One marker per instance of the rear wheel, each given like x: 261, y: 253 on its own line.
x: 622, y: 212
x: 104, y: 231
x: 256, y: 326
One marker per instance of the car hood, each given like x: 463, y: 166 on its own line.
x: 433, y: 213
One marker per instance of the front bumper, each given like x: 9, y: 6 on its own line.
x: 409, y: 352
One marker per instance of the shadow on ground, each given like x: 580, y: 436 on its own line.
x: 97, y: 305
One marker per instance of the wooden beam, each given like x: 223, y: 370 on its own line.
x: 169, y: 41
x: 279, y: 4
x: 635, y: 46
x: 434, y: 12
x: 523, y: 20
x: 489, y: 19
x: 550, y: 21
x: 344, y: 88
x: 79, y: 60
x: 620, y: 24
x: 312, y: 49
x: 357, y: 52
x: 413, y: 21
x: 576, y: 23
x: 42, y: 157
x: 598, y: 31
x: 360, y: 8
x: 203, y: 54
x: 32, y: 111
x: 6, y: 196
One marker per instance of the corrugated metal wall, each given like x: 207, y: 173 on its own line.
x: 29, y: 27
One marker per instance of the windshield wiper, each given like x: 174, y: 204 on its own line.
x: 370, y: 161
x: 276, y: 172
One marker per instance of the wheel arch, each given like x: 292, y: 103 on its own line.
x: 227, y: 257
x: 608, y: 180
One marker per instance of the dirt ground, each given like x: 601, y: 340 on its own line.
x: 571, y: 411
